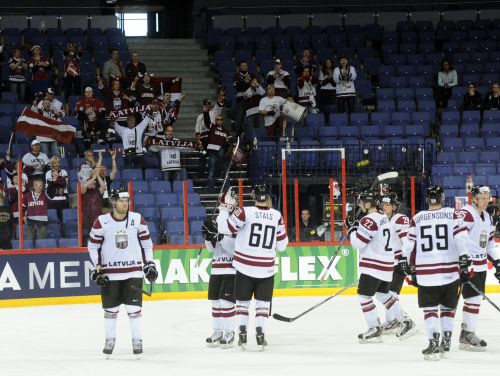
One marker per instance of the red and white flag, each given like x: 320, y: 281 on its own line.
x: 34, y: 124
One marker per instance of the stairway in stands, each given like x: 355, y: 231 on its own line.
x: 186, y: 58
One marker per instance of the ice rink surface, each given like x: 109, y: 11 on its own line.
x: 67, y: 340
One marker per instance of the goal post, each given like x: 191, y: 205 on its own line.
x: 284, y: 177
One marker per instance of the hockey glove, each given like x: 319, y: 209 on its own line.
x: 99, y: 278
x: 271, y: 113
x: 496, y: 264
x: 463, y: 264
x: 150, y: 271
x: 209, y: 230
x: 228, y: 200
x: 404, y: 266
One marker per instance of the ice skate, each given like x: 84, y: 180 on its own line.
x: 214, y: 339
x: 432, y: 351
x: 109, y: 345
x: 407, y: 329
x: 373, y: 335
x: 227, y: 340
x: 390, y: 327
x: 444, y: 348
x: 261, y: 341
x: 242, y: 340
x: 469, y: 341
x: 137, y: 346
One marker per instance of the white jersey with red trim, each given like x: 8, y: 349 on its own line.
x: 120, y: 247
x: 372, y: 240
x: 479, y: 242
x: 399, y: 230
x: 223, y: 252
x: 432, y: 234
x: 260, y: 232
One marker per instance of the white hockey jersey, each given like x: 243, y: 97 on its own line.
x: 260, y: 232
x: 120, y: 247
x: 223, y: 252
x: 479, y: 241
x: 399, y: 230
x: 373, y: 242
x: 432, y: 234
x: 132, y: 137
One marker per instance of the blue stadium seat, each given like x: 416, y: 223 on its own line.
x: 426, y: 106
x: 140, y: 187
x: 446, y: 157
x: 494, y: 181
x: 178, y: 186
x: 175, y: 227
x: 149, y: 213
x: 52, y: 214
x: 370, y: 131
x: 151, y: 174
x: 489, y: 156
x: 67, y: 242
x: 338, y: 120
x: 450, y: 117
x: 406, y: 105
x: 359, y: 119
x: 493, y: 143
x: 471, y: 117
x: 401, y: 118
x: 171, y: 214
x: 470, y: 130
x: 28, y: 244
x: 468, y: 157
x: 452, y: 144
x: 385, y: 93
x: 453, y: 182
x: 448, y: 130
x: 46, y: 243
x: 416, y: 131
x: 462, y: 169
x: 474, y: 144
x: 484, y: 169
x: 167, y: 200
x: 394, y: 131
x: 144, y: 200
x: 132, y: 174
x: 198, y: 213
x: 315, y: 120
x: 386, y: 106
x: 397, y: 82
x: 327, y: 132
x: 380, y: 118
x: 302, y: 133
x: 160, y: 187
x: 69, y: 215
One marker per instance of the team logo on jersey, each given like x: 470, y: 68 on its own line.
x: 121, y: 239
x: 483, y: 239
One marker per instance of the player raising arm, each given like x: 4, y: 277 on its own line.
x: 121, y: 250
x: 436, y: 260
x: 478, y: 243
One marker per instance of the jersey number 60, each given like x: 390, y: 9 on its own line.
x: 259, y: 241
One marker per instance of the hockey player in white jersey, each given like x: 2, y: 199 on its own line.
x: 221, y: 283
x: 432, y: 234
x: 371, y: 237
x: 399, y: 224
x: 121, y: 250
x: 480, y: 246
x: 260, y: 232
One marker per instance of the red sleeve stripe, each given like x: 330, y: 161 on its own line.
x: 143, y: 232
x: 95, y: 241
x: 459, y: 230
x: 143, y: 221
x: 281, y: 237
x: 360, y: 237
x: 231, y: 228
x: 97, y: 225
x: 402, y: 235
x: 147, y: 237
x: 98, y: 236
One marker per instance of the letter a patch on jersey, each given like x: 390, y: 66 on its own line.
x: 121, y: 239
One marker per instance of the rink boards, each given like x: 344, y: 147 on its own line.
x: 62, y: 276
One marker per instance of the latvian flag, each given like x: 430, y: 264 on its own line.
x: 34, y: 124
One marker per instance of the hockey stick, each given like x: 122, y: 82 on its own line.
x: 235, y: 148
x: 149, y: 291
x: 291, y: 319
x: 342, y: 241
x: 474, y: 287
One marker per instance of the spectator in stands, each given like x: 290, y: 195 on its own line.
x: 17, y: 73
x: 270, y: 107
x: 326, y: 94
x: 56, y: 186
x: 72, y: 78
x: 39, y: 65
x: 170, y: 158
x: 280, y: 79
x: 56, y: 104
x: 241, y: 82
x: 91, y: 113
x: 35, y: 207
x: 135, y: 67
x: 170, y: 109
x: 113, y: 68
x: 114, y: 97
x: 145, y: 92
x: 472, y: 99
x: 92, y: 200
x: 35, y: 163
x: 5, y: 220
x: 217, y: 137
x: 103, y: 179
x: 306, y: 85
x: 305, y: 62
x: 307, y: 228
x: 492, y: 100
x: 447, y: 79
x: 252, y: 98
x: 208, y: 114
x: 13, y: 192
x: 131, y: 135
x: 87, y: 167
x: 48, y: 145
x: 344, y: 76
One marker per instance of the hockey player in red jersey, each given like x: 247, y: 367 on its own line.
x: 121, y: 250
x: 371, y: 237
x: 260, y: 232
x: 399, y: 224
x: 433, y: 235
x: 221, y: 283
x: 479, y: 244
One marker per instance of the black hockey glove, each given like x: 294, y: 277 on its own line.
x: 99, y: 278
x: 150, y: 271
x: 463, y: 264
x: 209, y: 230
x: 496, y: 264
x: 404, y: 266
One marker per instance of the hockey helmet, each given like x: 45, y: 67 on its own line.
x: 370, y: 196
x: 260, y: 192
x: 478, y: 189
x: 118, y: 193
x: 390, y: 198
x: 434, y: 194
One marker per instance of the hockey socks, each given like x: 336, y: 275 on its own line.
x: 227, y: 313
x: 471, y: 312
x: 369, y: 310
x: 431, y: 321
x: 110, y: 318
x: 261, y: 314
x: 391, y: 304
x: 242, y: 313
x: 447, y: 316
x: 216, y: 316
x: 134, y: 315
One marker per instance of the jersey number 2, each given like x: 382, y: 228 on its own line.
x: 441, y: 236
x: 387, y: 233
x: 261, y: 239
